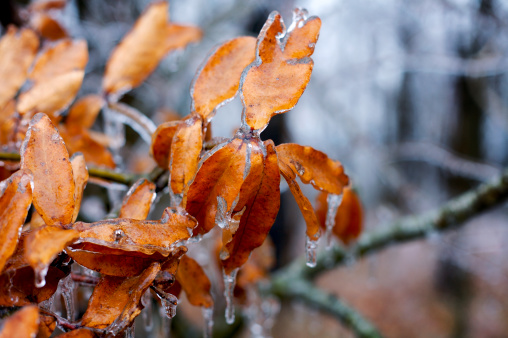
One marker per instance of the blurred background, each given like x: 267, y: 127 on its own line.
x: 412, y: 98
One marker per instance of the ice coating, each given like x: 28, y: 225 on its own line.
x: 333, y: 202
x: 40, y: 276
x: 310, y: 252
x: 208, y: 317
x: 229, y: 287
x: 169, y: 304
x: 66, y: 287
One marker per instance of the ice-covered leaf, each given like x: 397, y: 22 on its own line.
x: 45, y: 155
x: 194, y: 282
x: 48, y: 27
x: 17, y: 52
x: 93, y: 151
x: 47, y: 325
x: 83, y: 112
x: 217, y: 184
x: 46, y: 5
x: 161, y: 142
x: 279, y: 76
x: 116, y: 301
x: 23, y: 323
x: 184, y: 156
x: 348, y: 219
x: 143, y: 48
x: 136, y: 204
x: 80, y: 175
x: 15, y: 199
x: 79, y: 333
x: 218, y: 79
x: 313, y: 166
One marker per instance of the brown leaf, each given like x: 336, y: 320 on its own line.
x: 52, y: 96
x: 348, y: 220
x: 44, y: 244
x: 44, y: 154
x: 185, y: 150
x: 61, y: 58
x: 313, y: 166
x: 47, y: 325
x: 116, y: 301
x: 143, y: 48
x: 47, y: 26
x: 8, y: 123
x: 80, y: 175
x: 261, y: 210
x: 219, y: 177
x: 79, y: 333
x: 24, y: 323
x: 279, y: 76
x: 17, y: 52
x: 46, y: 5
x: 15, y: 199
x: 194, y: 282
x: 161, y: 142
x: 83, y: 112
x: 218, y: 79
x: 136, y: 204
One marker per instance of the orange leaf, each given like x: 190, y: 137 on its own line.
x: 83, y: 112
x: 313, y: 166
x: 80, y: 175
x: 218, y: 80
x: 79, y: 333
x: 44, y: 154
x: 15, y: 199
x: 47, y: 325
x: 348, y: 220
x: 47, y: 27
x: 161, y: 142
x: 8, y: 123
x: 261, y: 210
x: 194, y: 282
x: 24, y: 323
x: 136, y: 204
x: 185, y: 150
x: 219, y: 178
x: 17, y: 51
x: 116, y: 301
x: 46, y: 5
x: 279, y: 76
x: 143, y: 48
x: 43, y: 245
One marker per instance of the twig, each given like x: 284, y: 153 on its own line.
x: 140, y: 123
x: 84, y: 279
x: 313, y: 296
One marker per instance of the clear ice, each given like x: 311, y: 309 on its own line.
x: 229, y: 287
x: 310, y: 252
x: 208, y: 317
x: 333, y: 202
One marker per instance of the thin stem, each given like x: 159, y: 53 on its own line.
x: 140, y: 122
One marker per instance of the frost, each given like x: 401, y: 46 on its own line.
x: 229, y: 287
x: 333, y: 202
x: 310, y: 252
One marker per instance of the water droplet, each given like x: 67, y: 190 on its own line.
x: 208, y: 317
x: 119, y: 234
x: 229, y: 287
x: 40, y: 276
x: 310, y: 252
x: 333, y: 202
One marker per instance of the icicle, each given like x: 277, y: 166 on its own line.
x: 169, y: 303
x: 333, y: 202
x: 40, y: 276
x: 208, y: 317
x: 147, y: 312
x: 130, y: 331
x: 310, y: 252
x: 66, y: 286
x: 165, y: 331
x: 221, y: 216
x: 11, y: 274
x: 229, y: 287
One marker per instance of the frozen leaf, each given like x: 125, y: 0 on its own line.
x: 348, y: 219
x: 185, y: 150
x: 44, y: 154
x: 136, y: 204
x: 51, y: 96
x: 218, y: 79
x: 83, y: 112
x: 161, y: 142
x: 17, y: 52
x: 279, y: 76
x: 143, y: 48
x: 80, y: 175
x: 47, y: 325
x: 46, y: 5
x: 44, y: 244
x: 194, y: 282
x: 116, y: 301
x: 47, y: 27
x: 23, y: 323
x: 79, y: 333
x: 313, y: 166
x: 93, y: 151
x: 15, y: 199
x: 61, y: 58
x: 219, y: 177
x: 262, y: 207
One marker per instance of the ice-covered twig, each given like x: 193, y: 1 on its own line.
x: 135, y: 119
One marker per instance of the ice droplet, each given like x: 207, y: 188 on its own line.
x: 229, y: 287
x: 333, y: 202
x: 40, y: 276
x: 66, y: 286
x: 147, y: 312
x: 119, y: 234
x: 208, y: 317
x: 169, y: 304
x: 310, y: 252
x: 221, y: 216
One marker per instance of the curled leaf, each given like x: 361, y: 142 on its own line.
x: 23, y: 323
x: 218, y: 79
x: 143, y: 48
x: 17, y: 52
x: 44, y: 154
x: 80, y: 175
x: 161, y: 142
x: 136, y: 204
x: 194, y: 282
x: 15, y: 199
x: 313, y: 166
x: 279, y: 76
